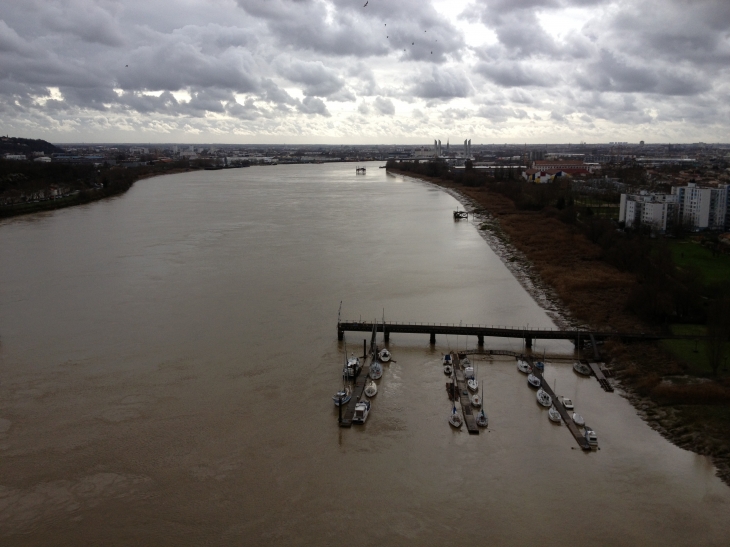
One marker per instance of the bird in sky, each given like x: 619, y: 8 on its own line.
x: 366, y: 4
x: 126, y: 66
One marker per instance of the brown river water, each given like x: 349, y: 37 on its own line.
x: 168, y: 357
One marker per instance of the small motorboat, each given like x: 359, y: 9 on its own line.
x: 342, y: 397
x: 482, y: 420
x: 469, y: 372
x: 384, y: 355
x: 524, y: 366
x: 591, y: 437
x: 476, y: 400
x: 465, y: 361
x: 578, y: 419
x: 567, y: 403
x: 448, y: 369
x: 376, y: 370
x: 540, y: 366
x: 352, y: 368
x: 455, y: 420
x: 543, y: 398
x: 362, y: 409
x: 460, y: 214
x: 447, y: 359
x: 533, y: 381
x: 371, y: 390
x: 582, y: 369
x: 554, y: 415
x: 472, y: 384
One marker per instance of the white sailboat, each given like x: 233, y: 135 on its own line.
x: 533, y: 381
x: 554, y: 415
x: 376, y: 370
x: 524, y: 366
x: 543, y: 398
x: 455, y: 420
x: 578, y: 419
x: 384, y: 355
x: 371, y: 390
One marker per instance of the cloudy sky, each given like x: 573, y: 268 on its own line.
x: 395, y: 71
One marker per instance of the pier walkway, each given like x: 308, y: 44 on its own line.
x: 600, y: 376
x: 564, y: 414
x: 464, y: 399
x: 579, y: 337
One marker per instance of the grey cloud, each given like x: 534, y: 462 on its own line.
x: 313, y: 105
x: 317, y: 80
x: 384, y: 106
x: 443, y: 84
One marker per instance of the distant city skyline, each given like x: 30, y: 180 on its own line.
x: 335, y: 72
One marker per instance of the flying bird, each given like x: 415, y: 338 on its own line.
x: 126, y: 66
x: 413, y: 43
x: 366, y: 4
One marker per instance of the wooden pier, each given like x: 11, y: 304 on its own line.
x: 595, y: 367
x: 464, y: 399
x: 564, y: 414
x: 578, y: 337
x: 360, y: 382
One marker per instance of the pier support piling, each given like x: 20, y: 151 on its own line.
x: 528, y: 342
x: 340, y: 334
x: 386, y: 336
x: 432, y: 339
x: 480, y: 340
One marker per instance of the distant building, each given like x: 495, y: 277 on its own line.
x: 543, y: 176
x: 703, y: 208
x: 655, y: 210
x: 572, y: 167
x: 692, y: 206
x: 16, y: 157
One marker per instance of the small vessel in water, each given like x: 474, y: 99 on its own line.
x: 543, y: 398
x: 567, y: 403
x: 447, y: 359
x: 455, y: 420
x: 582, y: 369
x: 465, y: 361
x: 540, y: 366
x: 362, y: 409
x: 476, y: 400
x: 384, y: 355
x: 371, y: 390
x: 524, y: 366
x: 352, y: 368
x: 578, y: 419
x: 472, y: 384
x: 458, y: 215
x: 533, y: 381
x: 342, y: 397
x: 554, y: 415
x: 376, y: 370
x: 469, y: 373
x: 448, y: 369
x: 591, y: 437
x: 482, y: 420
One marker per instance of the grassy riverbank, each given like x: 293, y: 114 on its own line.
x: 79, y: 184
x: 677, y: 396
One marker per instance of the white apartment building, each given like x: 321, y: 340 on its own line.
x: 702, y: 208
x: 695, y: 207
x: 655, y: 210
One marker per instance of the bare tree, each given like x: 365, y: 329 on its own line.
x: 718, y: 330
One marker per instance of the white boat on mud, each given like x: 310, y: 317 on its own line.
x: 591, y: 437
x: 362, y: 409
x: 482, y: 420
x: 352, y: 368
x: 543, y: 398
x: 472, y: 384
x: 567, y: 403
x: 580, y: 368
x: 342, y: 397
x: 578, y: 419
x: 554, y: 415
x: 533, y: 381
x: 524, y: 366
x: 455, y: 420
x: 371, y: 390
x: 476, y: 400
x: 376, y: 370
x: 384, y: 355
x: 447, y: 359
x: 448, y: 370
